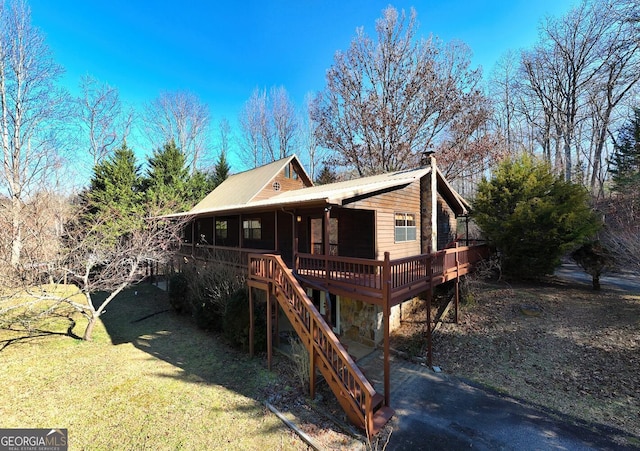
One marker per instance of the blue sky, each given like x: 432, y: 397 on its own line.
x: 221, y: 51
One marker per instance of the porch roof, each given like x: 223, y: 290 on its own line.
x: 338, y: 193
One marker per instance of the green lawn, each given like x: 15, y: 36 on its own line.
x: 152, y: 383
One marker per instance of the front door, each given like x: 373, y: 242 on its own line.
x: 317, y: 234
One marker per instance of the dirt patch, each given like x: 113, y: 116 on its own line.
x: 561, y: 346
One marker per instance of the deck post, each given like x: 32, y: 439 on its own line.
x: 457, y: 283
x: 269, y: 329
x: 386, y: 302
x: 312, y: 362
x: 327, y: 245
x: 251, y: 322
x: 429, y: 294
x: 429, y: 329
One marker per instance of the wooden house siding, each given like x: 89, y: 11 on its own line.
x: 447, y: 224
x: 294, y: 181
x: 386, y: 205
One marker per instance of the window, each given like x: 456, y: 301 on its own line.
x: 222, y: 229
x: 290, y: 172
x: 405, y: 229
x: 252, y: 229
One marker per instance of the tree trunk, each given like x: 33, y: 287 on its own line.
x: 88, y: 332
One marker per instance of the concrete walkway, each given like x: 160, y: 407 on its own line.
x: 435, y: 411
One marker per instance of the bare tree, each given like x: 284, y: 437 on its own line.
x: 388, y: 100
x: 30, y: 108
x: 224, y: 137
x: 179, y: 116
x: 252, y: 119
x: 269, y: 126
x: 584, y: 66
x: 283, y: 121
x: 621, y: 234
x: 94, y: 263
x: 101, y: 118
x: 314, y: 154
x: 509, y: 122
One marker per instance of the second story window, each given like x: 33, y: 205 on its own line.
x: 405, y: 227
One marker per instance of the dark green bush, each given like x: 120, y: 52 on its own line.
x: 179, y: 293
x: 532, y: 217
x: 206, y: 313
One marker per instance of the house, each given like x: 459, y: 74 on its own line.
x: 337, y: 260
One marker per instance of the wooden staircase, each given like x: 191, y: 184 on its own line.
x: 363, y: 406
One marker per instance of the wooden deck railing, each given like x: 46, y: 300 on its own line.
x: 354, y: 392
x: 407, y: 276
x: 235, y: 256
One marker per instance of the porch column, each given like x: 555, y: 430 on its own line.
x: 269, y: 328
x: 275, y: 231
x: 325, y: 231
x: 434, y: 204
x: 457, y: 301
x: 325, y: 237
x: 251, y: 322
x: 386, y: 305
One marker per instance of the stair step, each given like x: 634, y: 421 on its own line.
x: 377, y: 401
x: 380, y: 418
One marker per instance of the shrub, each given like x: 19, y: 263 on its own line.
x: 532, y: 217
x: 179, y: 293
x: 594, y: 258
x: 300, y: 364
x: 236, y: 321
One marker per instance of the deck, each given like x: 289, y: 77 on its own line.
x: 375, y: 281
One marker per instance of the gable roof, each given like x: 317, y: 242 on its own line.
x: 242, y: 188
x: 238, y: 191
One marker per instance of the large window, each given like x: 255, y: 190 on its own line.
x: 405, y: 229
x: 252, y: 229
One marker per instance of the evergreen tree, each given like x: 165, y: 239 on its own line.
x: 166, y: 184
x: 114, y: 199
x: 221, y: 170
x: 625, y: 162
x: 532, y: 216
x: 326, y: 176
x: 200, y: 184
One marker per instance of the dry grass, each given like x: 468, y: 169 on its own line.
x: 145, y: 382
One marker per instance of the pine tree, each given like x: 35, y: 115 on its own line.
x: 221, y: 170
x: 167, y: 179
x: 625, y: 162
x: 200, y: 184
x: 326, y: 176
x: 114, y: 199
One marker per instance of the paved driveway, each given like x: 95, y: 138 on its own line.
x: 436, y: 411
x: 621, y: 280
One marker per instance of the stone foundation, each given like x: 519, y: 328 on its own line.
x: 363, y: 322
